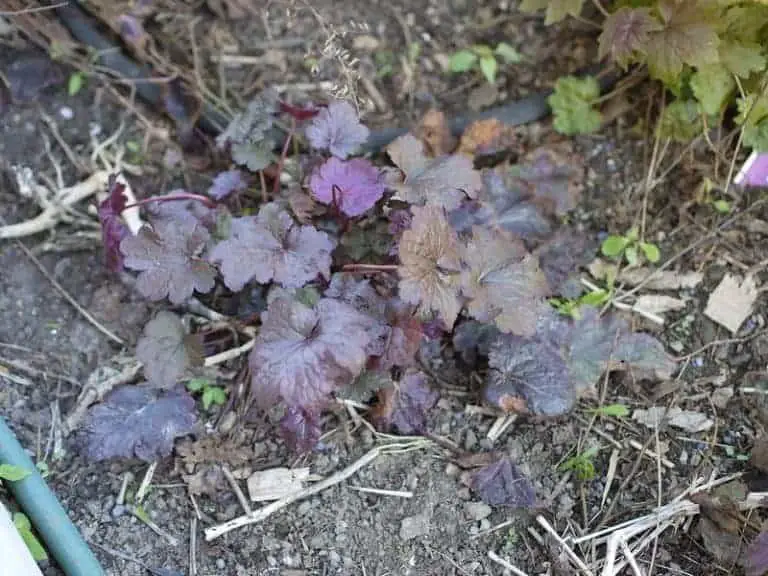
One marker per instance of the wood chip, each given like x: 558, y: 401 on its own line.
x: 657, y: 304
x: 276, y: 483
x: 732, y: 301
x: 687, y: 420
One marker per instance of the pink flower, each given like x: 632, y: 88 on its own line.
x: 355, y: 185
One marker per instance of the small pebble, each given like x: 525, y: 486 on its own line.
x: 220, y: 564
x: 66, y: 112
x: 118, y: 510
x: 414, y: 526
x: 477, y: 510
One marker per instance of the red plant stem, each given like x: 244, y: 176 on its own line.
x: 283, y: 156
x: 369, y: 267
x: 173, y: 198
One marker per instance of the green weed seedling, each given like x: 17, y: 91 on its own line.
x: 573, y: 104
x: 571, y: 306
x: 630, y: 247
x: 582, y: 465
x: 10, y: 473
x: 484, y: 58
x: 211, y: 394
x: 611, y: 410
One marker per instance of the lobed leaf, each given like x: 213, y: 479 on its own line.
x: 443, y: 181
x: 403, y: 407
x: 167, y: 258
x: 502, y: 281
x: 501, y: 483
x: 430, y: 264
x: 225, y: 183
x: 561, y: 257
x: 626, y: 32
x: 301, y: 354
x: 353, y: 186
x: 553, y: 176
x: 688, y: 36
x: 138, y: 422
x: 252, y: 125
x: 337, y: 128
x: 571, y: 104
x: 166, y: 350
x: 713, y: 86
x: 271, y: 246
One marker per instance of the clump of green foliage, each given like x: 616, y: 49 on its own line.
x: 710, y: 54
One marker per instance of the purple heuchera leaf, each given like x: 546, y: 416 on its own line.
x: 113, y: 230
x: 166, y: 256
x: 757, y: 555
x: 272, y: 247
x: 227, y: 182
x: 186, y: 212
x: 138, y: 422
x: 337, y: 128
x: 561, y: 257
x: 300, y: 428
x: 545, y: 373
x: 354, y: 186
x: 502, y: 484
x: 404, y: 407
x: 301, y: 354
x: 166, y: 349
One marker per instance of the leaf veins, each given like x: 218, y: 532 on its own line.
x: 503, y: 281
x: 626, y: 32
x: 303, y: 354
x: 688, y: 36
x: 444, y: 181
x: 166, y: 349
x: 272, y: 246
x: 167, y: 257
x: 430, y: 264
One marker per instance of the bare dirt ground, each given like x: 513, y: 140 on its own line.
x: 48, y: 348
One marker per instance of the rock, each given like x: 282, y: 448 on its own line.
x: 721, y: 396
x: 414, y: 526
x: 470, y: 440
x: 477, y: 510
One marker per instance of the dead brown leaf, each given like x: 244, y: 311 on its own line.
x: 488, y: 137
x: 433, y: 131
x: 214, y: 449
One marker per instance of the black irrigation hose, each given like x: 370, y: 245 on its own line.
x: 85, y: 29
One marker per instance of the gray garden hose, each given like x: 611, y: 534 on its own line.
x: 62, y: 539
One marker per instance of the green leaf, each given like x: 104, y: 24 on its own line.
x: 255, y: 156
x: 482, y: 50
x: 722, y: 206
x: 35, y: 547
x: 742, y: 58
x: 557, y: 10
x: 197, y: 384
x: 752, y: 110
x: 681, y: 121
x: 688, y: 36
x: 713, y: 85
x: 508, y: 53
x: 413, y: 51
x: 613, y: 246
x: 76, y: 81
x: 12, y: 473
x: 462, y: 61
x: 756, y: 137
x: 571, y: 104
x: 613, y: 410
x: 308, y: 295
x: 631, y: 255
x: 651, y: 252
x: 595, y: 298
x: 214, y: 395
x: 531, y: 6
x: 488, y: 66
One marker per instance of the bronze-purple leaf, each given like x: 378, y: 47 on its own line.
x: 167, y: 256
x: 113, y: 230
x: 138, y: 422
x: 502, y: 484
x: 272, y: 246
x: 403, y: 407
x: 302, y: 354
x: 166, y: 350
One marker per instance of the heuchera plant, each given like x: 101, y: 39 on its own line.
x: 461, y: 252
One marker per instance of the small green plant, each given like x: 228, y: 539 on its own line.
x: 582, y: 465
x: 573, y: 105
x: 76, y: 83
x: 571, y: 306
x: 11, y: 473
x: 611, y: 410
x: 211, y: 394
x: 24, y: 527
x: 385, y: 63
x: 630, y: 247
x: 484, y: 58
